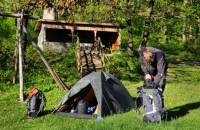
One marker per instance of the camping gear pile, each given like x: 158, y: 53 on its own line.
x: 96, y: 94
x: 99, y: 94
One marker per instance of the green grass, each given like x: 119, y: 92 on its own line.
x: 182, y: 99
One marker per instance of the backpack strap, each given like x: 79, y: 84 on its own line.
x: 43, y: 102
x: 139, y: 101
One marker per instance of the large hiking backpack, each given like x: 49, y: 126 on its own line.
x: 36, y: 103
x: 152, y: 102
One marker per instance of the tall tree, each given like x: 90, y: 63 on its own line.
x: 184, y: 24
x: 197, y: 29
x: 129, y: 24
x: 147, y: 24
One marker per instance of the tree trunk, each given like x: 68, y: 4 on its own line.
x: 184, y: 24
x: 16, y: 57
x: 130, y: 33
x: 165, y: 33
x: 25, y: 40
x: 183, y: 30
x: 197, y: 31
x: 147, y: 25
x: 190, y: 30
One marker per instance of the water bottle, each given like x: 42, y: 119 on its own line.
x: 99, y: 118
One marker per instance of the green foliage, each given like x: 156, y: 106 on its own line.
x: 124, y: 66
x: 7, y: 46
x: 104, y: 12
x: 64, y: 64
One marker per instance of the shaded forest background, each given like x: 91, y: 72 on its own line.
x: 172, y: 26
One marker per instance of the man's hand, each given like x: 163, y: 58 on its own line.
x: 148, y: 77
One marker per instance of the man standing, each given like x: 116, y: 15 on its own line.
x: 154, y: 66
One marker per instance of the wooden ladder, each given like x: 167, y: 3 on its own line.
x: 89, y: 60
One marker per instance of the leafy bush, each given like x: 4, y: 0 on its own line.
x: 64, y: 64
x: 124, y: 66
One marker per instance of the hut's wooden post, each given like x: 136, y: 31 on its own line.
x: 120, y: 37
x: 95, y: 40
x: 72, y: 32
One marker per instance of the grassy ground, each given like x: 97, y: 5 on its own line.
x: 182, y: 99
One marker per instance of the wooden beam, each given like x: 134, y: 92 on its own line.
x: 19, y: 16
x: 77, y: 23
x: 85, y: 28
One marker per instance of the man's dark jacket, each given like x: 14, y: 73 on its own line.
x: 158, y: 68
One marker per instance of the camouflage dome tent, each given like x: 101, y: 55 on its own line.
x: 109, y: 93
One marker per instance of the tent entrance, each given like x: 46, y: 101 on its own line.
x: 69, y: 108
